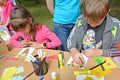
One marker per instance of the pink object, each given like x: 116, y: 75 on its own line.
x: 43, y: 34
x: 10, y: 58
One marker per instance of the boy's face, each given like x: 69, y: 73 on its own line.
x: 93, y: 23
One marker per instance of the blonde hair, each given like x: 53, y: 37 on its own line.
x: 95, y: 10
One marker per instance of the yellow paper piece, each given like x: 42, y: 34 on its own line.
x: 88, y: 78
x: 9, y: 73
x: 98, y: 72
x: 109, y: 63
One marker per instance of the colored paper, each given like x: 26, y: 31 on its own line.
x: 25, y: 52
x: 9, y: 73
x: 18, y: 78
x: 109, y: 63
x: 20, y: 70
x: 98, y: 72
x: 88, y: 77
x: 99, y: 60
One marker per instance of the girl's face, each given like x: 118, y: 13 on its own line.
x: 3, y: 2
x: 26, y: 29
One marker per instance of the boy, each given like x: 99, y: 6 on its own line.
x: 96, y: 33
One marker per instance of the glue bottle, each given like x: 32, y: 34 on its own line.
x: 53, y: 75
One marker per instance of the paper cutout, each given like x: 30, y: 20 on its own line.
x: 109, y: 63
x: 18, y: 78
x: 25, y: 52
x: 9, y: 73
x: 99, y: 60
x: 117, y: 61
x: 83, y: 77
x: 20, y: 69
x: 10, y: 58
x: 98, y: 72
x: 70, y: 61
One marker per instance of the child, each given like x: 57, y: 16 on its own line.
x: 34, y: 34
x: 6, y: 6
x: 96, y: 33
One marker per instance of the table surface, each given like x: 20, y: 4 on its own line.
x: 66, y: 73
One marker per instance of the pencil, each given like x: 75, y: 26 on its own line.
x: 35, y: 70
x: 98, y: 65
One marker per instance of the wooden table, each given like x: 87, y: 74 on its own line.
x: 66, y: 73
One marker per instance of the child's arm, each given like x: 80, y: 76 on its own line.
x: 50, y: 6
x: 14, y: 39
x: 53, y: 40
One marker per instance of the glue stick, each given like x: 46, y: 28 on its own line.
x: 82, y: 72
x: 53, y: 74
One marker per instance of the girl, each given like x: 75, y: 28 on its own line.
x: 6, y: 6
x: 34, y: 34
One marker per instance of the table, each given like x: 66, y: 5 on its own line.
x: 66, y: 73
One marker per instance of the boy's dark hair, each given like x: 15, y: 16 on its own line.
x: 20, y: 17
x: 95, y: 10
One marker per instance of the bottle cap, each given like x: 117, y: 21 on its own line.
x: 53, y: 74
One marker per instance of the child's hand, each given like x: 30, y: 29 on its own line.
x: 36, y: 45
x: 78, y: 59
x: 93, y: 52
x: 23, y: 44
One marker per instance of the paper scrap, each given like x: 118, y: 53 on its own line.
x: 98, y: 72
x: 20, y: 70
x: 9, y: 73
x: 83, y: 77
x: 110, y: 64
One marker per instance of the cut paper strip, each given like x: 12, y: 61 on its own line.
x: 54, y: 57
x: 10, y: 58
x: 20, y: 70
x: 109, y: 63
x: 18, y: 78
x: 88, y: 77
x: 9, y: 73
x: 98, y: 72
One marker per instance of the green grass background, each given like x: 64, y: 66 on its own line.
x: 42, y: 15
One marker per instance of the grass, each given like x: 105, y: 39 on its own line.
x: 42, y: 15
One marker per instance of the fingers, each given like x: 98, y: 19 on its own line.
x: 79, y: 59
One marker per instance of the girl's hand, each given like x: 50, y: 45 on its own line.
x: 93, y: 52
x: 23, y: 43
x: 36, y: 45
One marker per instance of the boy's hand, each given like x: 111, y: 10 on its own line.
x: 93, y: 52
x: 77, y: 57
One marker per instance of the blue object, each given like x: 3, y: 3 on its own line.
x: 42, y: 77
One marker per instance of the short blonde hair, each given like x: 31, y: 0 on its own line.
x: 95, y: 10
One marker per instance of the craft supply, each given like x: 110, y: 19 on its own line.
x: 97, y: 65
x: 10, y: 58
x: 60, y: 61
x: 53, y: 75
x: 82, y: 72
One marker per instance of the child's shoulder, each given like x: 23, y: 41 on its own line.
x: 42, y: 27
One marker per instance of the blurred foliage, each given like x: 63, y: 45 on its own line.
x: 42, y: 15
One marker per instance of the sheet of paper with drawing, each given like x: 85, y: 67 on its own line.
x: 70, y: 61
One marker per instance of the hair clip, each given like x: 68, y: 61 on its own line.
x: 14, y: 8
